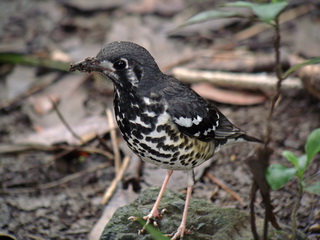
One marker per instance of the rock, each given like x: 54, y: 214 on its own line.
x: 5, y: 214
x: 204, y: 220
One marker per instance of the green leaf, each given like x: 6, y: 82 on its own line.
x: 297, y: 66
x: 266, y: 12
x: 155, y: 233
x: 270, y: 11
x: 313, y: 188
x: 278, y: 175
x: 302, y: 166
x: 209, y: 15
x: 240, y: 4
x: 291, y: 157
x: 312, y: 146
x: 15, y: 58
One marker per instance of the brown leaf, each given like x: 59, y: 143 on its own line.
x: 42, y: 104
x: 310, y: 75
x: 163, y: 7
x: 90, y: 126
x: 228, y: 96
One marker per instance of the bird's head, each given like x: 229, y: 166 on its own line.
x: 125, y: 63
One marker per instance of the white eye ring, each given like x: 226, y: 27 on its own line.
x: 120, y: 64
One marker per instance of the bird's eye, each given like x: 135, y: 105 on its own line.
x: 120, y: 64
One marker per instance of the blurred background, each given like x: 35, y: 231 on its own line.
x: 57, y: 154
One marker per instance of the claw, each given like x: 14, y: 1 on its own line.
x: 178, y: 235
x: 163, y: 211
x: 150, y: 218
x: 133, y: 218
x: 153, y: 215
x: 181, y: 231
x: 155, y: 224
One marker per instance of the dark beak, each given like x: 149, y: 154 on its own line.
x: 92, y: 64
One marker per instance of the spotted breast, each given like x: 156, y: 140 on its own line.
x: 151, y: 133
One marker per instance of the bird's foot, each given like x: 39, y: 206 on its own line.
x: 150, y: 219
x: 179, y: 233
x: 152, y: 215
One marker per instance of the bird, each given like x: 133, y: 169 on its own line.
x: 162, y: 120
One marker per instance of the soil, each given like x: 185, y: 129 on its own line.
x: 70, y: 209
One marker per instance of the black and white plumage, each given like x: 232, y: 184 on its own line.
x: 162, y: 120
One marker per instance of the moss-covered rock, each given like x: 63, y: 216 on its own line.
x: 205, y: 221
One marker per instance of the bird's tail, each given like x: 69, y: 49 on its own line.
x: 249, y: 138
x: 236, y: 138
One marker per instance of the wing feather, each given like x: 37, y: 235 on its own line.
x: 195, y: 117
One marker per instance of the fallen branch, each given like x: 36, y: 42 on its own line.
x: 247, y: 81
x: 17, y: 148
x: 109, y: 192
x: 224, y: 187
x: 64, y: 121
x: 114, y: 141
x: 58, y: 182
x: 133, y: 173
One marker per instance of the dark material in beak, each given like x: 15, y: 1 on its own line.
x: 90, y: 64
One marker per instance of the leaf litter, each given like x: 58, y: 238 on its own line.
x: 71, y: 206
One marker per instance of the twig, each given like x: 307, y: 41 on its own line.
x: 133, y: 173
x: 295, y: 210
x: 74, y: 176
x: 214, y: 192
x: 76, y: 232
x: 63, y: 120
x: 248, y: 81
x: 114, y: 141
x: 34, y: 237
x: 268, y: 130
x: 266, y: 223
x: 32, y: 90
x: 258, y: 165
x: 9, y: 149
x: 109, y: 192
x: 224, y: 187
x: 277, y: 94
x: 60, y: 181
x: 254, y: 189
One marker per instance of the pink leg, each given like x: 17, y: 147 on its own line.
x: 182, y: 228
x: 155, y: 212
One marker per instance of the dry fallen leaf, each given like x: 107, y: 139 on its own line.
x: 90, y: 126
x: 43, y: 104
x: 228, y: 96
x: 162, y: 7
x: 59, y: 55
x: 310, y: 75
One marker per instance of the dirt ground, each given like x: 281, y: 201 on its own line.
x: 56, y: 194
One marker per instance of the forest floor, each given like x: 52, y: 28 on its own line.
x: 52, y: 191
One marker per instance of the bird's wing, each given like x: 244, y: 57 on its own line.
x: 194, y: 117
